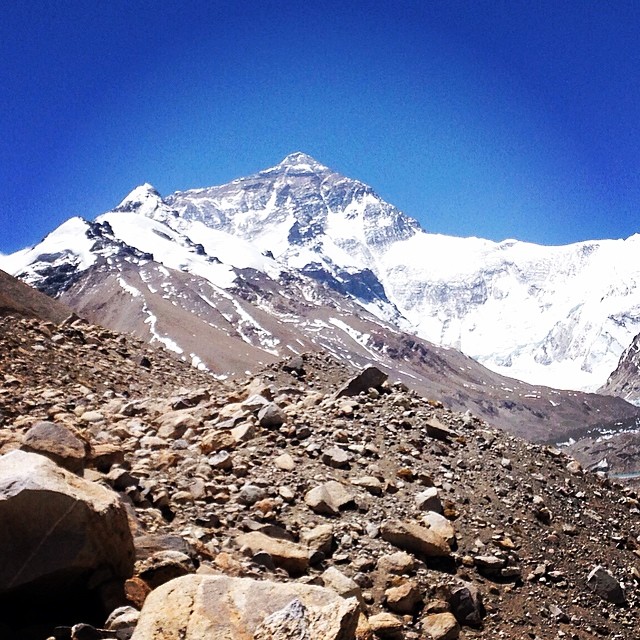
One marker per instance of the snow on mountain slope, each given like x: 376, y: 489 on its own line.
x: 551, y: 315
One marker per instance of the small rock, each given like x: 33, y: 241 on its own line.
x: 285, y: 462
x: 605, y: 585
x: 429, y: 500
x: 438, y: 431
x: 337, y: 458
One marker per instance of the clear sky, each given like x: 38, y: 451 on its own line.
x: 498, y: 118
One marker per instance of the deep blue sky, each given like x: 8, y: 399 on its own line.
x: 500, y: 119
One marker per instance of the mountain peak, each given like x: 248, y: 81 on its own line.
x: 145, y: 197
x: 299, y: 160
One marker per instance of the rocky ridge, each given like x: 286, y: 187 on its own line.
x: 295, y: 485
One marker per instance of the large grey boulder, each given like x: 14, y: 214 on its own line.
x: 219, y: 607
x: 57, y: 530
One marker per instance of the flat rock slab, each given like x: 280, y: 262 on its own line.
x: 414, y: 538
x: 292, y: 557
x: 439, y: 431
x: 221, y: 607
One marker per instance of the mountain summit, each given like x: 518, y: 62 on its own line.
x: 302, y: 161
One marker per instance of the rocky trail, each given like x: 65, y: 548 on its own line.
x: 141, y: 498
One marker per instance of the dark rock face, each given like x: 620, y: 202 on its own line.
x: 369, y: 378
x: 605, y: 585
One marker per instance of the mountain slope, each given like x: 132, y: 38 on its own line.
x: 211, y: 486
x: 19, y: 299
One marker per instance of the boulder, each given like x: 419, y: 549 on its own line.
x: 292, y: 557
x: 62, y: 531
x: 439, y: 431
x: 466, y: 604
x: 369, y: 378
x: 440, y: 525
x: 221, y: 607
x: 605, y: 585
x: 320, y: 538
x: 329, y: 498
x: 163, y: 566
x: 336, y: 457
x: 271, y: 416
x: 334, y: 579
x: 396, y: 563
x: 414, y: 538
x: 174, y: 424
x: 404, y: 599
x: 429, y: 500
x: 441, y: 626
x: 58, y: 443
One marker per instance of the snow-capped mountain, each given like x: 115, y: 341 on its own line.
x: 559, y: 316
x: 624, y: 381
x: 229, y: 300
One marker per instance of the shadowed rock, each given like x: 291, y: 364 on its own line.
x: 369, y: 378
x: 62, y: 530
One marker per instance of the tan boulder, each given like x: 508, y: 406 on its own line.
x: 173, y: 424
x: 292, y: 557
x: 414, y: 538
x: 440, y: 525
x: 220, y: 607
x: 441, y: 626
x: 329, y: 498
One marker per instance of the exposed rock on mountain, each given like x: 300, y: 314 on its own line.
x: 624, y: 381
x: 527, y: 543
x: 616, y: 452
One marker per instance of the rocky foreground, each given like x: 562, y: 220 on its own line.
x: 140, y: 498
